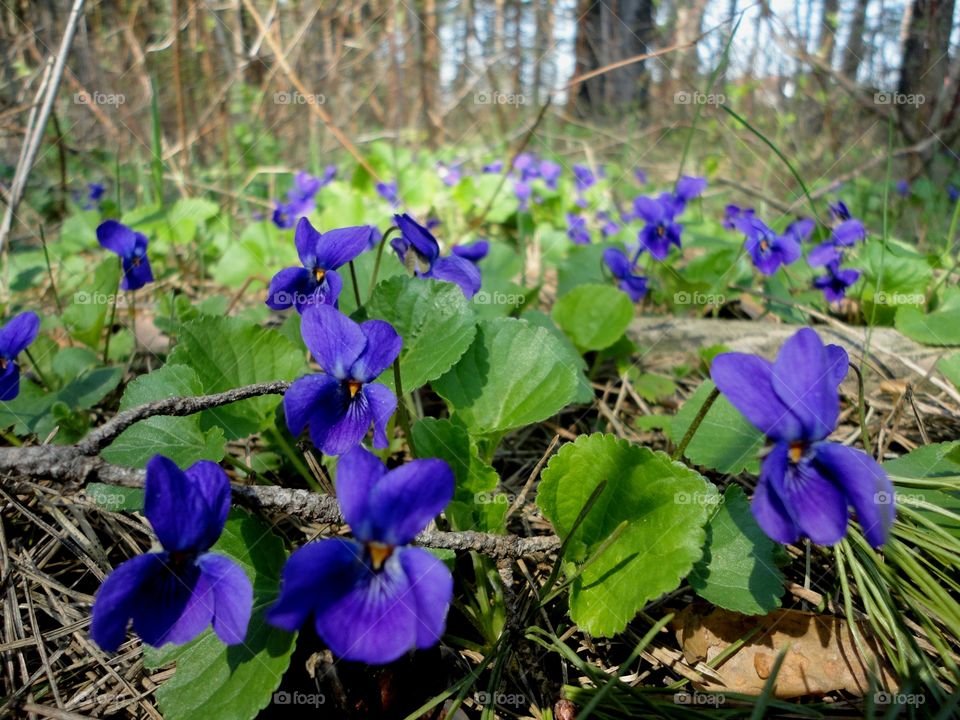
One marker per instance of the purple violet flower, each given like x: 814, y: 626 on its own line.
x: 839, y: 210
x: 577, y: 229
x: 321, y: 254
x: 903, y: 188
x: 376, y: 597
x: 806, y: 482
x: 835, y: 283
x: 15, y: 337
x: 767, y: 249
x: 474, y: 252
x: 550, y: 173
x: 622, y: 269
x: 175, y: 594
x: 583, y: 178
x: 494, y: 167
x: 340, y: 404
x: 389, y: 192
x: 731, y: 213
x: 132, y: 248
x: 849, y: 232
x: 660, y: 231
x: 419, y: 252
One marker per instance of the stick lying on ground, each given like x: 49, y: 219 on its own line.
x: 79, y: 464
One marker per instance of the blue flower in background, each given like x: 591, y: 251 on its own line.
x: 521, y: 189
x: 175, y: 594
x: 550, y: 173
x: 449, y: 174
x: 376, y: 597
x: 610, y: 226
x: 527, y: 165
x: 340, y: 404
x: 577, y: 229
x: 321, y: 254
x: 731, y: 213
x: 474, y: 252
x: 494, y: 167
x: 660, y: 231
x: 419, y: 252
x: 15, y: 337
x: 849, y: 232
x: 95, y: 192
x: 132, y: 248
x: 388, y: 191
x: 953, y: 192
x: 767, y: 249
x: 903, y: 188
x: 835, y: 283
x: 839, y: 210
x: 301, y: 198
x: 825, y: 254
x: 687, y: 189
x: 640, y: 176
x: 622, y: 269
x: 583, y: 178
x: 806, y: 482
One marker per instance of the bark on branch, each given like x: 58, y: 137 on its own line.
x: 79, y: 465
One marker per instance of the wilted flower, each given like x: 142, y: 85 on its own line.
x: 132, y: 248
x: 806, y: 482
x: 15, y: 337
x: 621, y: 268
x: 340, y: 404
x: 375, y: 597
x: 321, y: 254
x: 419, y: 252
x: 175, y: 594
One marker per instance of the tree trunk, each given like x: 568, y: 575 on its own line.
x: 429, y: 68
x: 606, y: 33
x: 828, y: 30
x: 853, y: 52
x: 926, y: 58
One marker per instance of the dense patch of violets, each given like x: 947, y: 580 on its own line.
x: 15, y: 337
x: 132, y: 248
x: 806, y: 482
x: 321, y: 254
x: 173, y: 595
x: 375, y: 597
x: 340, y: 404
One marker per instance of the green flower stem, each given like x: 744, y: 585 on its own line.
x: 692, y: 430
x: 402, y: 413
x: 376, y: 262
x: 356, y: 288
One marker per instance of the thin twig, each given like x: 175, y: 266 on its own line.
x: 176, y: 406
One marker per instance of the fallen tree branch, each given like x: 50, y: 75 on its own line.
x: 178, y: 406
x: 67, y: 464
